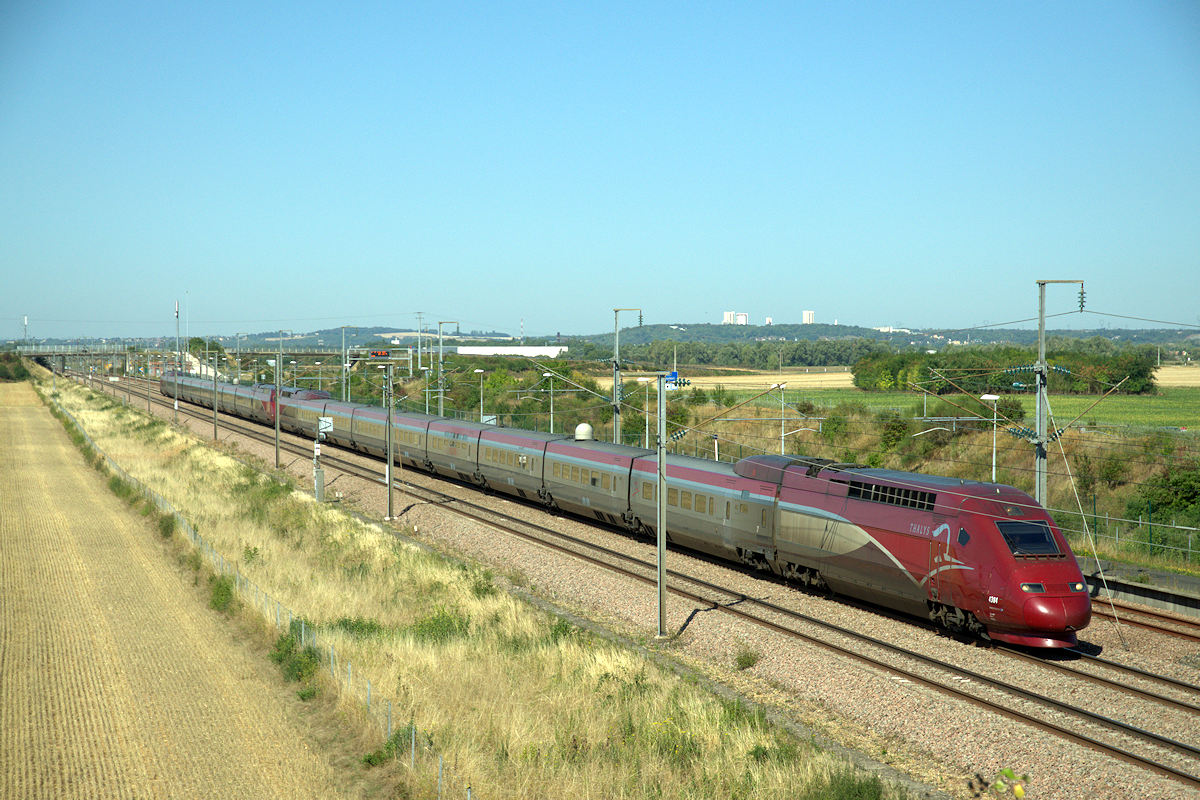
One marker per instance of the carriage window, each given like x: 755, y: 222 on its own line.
x: 647, y: 490
x: 726, y: 509
x: 575, y: 474
x: 672, y: 497
x: 686, y: 500
x: 765, y: 521
x: 557, y: 470
x: 595, y: 478
x: 606, y: 482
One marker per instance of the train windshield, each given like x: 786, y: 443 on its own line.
x: 1028, y: 538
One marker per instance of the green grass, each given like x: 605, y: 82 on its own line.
x: 1172, y: 407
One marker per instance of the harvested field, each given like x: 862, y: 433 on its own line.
x: 794, y: 377
x: 116, y: 682
x: 1178, y: 375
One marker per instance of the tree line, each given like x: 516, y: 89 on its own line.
x: 1080, y: 370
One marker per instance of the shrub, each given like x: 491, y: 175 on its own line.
x: 746, y: 658
x: 844, y: 785
x: 121, y: 488
x: 482, y: 586
x: 561, y: 629
x: 441, y: 626
x: 166, y: 525
x: 295, y: 663
x: 359, y: 626
x: 397, y: 740
x: 895, y: 431
x: 222, y: 593
x: 1011, y: 407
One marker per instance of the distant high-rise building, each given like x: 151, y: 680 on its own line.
x: 735, y: 318
x: 810, y: 317
x: 769, y: 321
x: 728, y: 318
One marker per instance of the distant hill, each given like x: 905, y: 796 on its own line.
x: 900, y: 338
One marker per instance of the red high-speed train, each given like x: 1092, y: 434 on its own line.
x: 974, y: 557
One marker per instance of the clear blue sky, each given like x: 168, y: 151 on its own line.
x: 308, y: 165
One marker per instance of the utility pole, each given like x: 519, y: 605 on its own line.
x: 214, y: 374
x: 278, y: 367
x: 238, y: 379
x: 148, y: 381
x: 387, y: 402
x: 441, y: 370
x: 177, y: 356
x: 420, y: 325
x: 662, y: 506
x: 616, y: 395
x: 345, y: 365
x: 1041, y: 373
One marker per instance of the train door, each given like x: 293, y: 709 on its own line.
x: 939, y: 559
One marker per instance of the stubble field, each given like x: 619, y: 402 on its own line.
x: 115, y: 682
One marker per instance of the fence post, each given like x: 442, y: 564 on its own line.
x: 412, y: 761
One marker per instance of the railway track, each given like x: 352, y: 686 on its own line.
x: 1161, y: 754
x: 1147, y: 619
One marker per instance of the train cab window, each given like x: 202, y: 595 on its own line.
x: 647, y: 490
x: 1028, y: 538
x: 672, y: 497
x: 963, y: 537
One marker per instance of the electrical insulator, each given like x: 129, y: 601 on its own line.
x: 640, y: 317
x: 1082, y: 296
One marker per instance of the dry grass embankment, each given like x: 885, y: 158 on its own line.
x: 519, y: 702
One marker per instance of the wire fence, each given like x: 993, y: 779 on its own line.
x: 406, y: 743
x: 1156, y: 538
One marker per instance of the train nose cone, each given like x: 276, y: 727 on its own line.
x: 1046, y: 613
x: 1078, y: 608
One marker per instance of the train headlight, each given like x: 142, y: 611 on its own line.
x: 1078, y: 587
x: 1033, y: 588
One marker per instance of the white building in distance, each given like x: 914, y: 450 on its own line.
x: 735, y: 318
x: 809, y: 317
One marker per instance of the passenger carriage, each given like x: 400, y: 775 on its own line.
x: 710, y: 507
x: 512, y: 461
x: 591, y: 478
